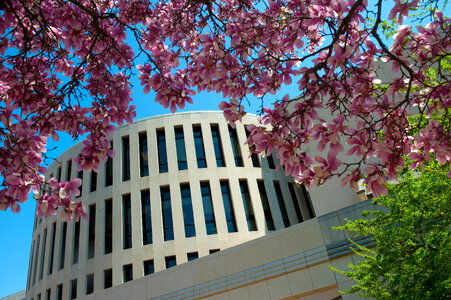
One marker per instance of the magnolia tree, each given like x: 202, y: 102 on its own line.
x: 66, y: 65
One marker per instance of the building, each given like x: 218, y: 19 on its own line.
x: 181, y: 187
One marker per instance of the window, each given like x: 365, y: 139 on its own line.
x: 52, y: 249
x: 211, y: 251
x: 148, y: 267
x: 109, y: 170
x: 146, y: 217
x: 265, y: 204
x: 217, y: 145
x: 248, y: 208
x: 63, y: 245
x: 125, y: 158
x: 127, y: 221
x: 180, y: 147
x: 170, y: 261
x: 210, y: 222
x: 44, y: 241
x: 89, y: 284
x: 143, y: 155
x: 162, y: 155
x: 108, y: 241
x: 192, y: 256
x: 199, y: 146
x: 168, y: 228
x: 59, y: 292
x: 76, y: 242
x: 68, y: 170
x: 254, y: 156
x: 91, y: 231
x: 30, y: 265
x: 58, y: 174
x: 283, y: 209
x: 128, y: 272
x: 228, y: 207
x: 36, y: 259
x: 93, y: 186
x: 47, y: 294
x: 107, y: 278
x: 308, y: 202
x: 271, y: 163
x: 73, y: 289
x: 38, y: 297
x: 187, y: 206
x: 80, y: 175
x: 235, y: 147
x: 297, y: 209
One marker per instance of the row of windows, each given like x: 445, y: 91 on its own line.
x: 127, y: 275
x: 167, y: 220
x: 162, y: 155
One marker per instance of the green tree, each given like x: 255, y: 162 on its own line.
x: 411, y: 228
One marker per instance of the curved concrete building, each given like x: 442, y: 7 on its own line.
x: 180, y: 187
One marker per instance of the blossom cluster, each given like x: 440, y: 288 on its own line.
x: 65, y: 67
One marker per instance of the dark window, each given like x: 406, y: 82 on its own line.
x: 162, y: 155
x: 58, y: 174
x: 248, y: 208
x: 91, y: 231
x: 170, y: 262
x: 143, y: 155
x: 109, y: 170
x: 89, y: 284
x: 127, y: 221
x: 146, y: 217
x: 47, y: 294
x: 254, y: 156
x: 52, y: 249
x: 30, y: 265
x: 44, y: 241
x: 128, y: 272
x: 235, y: 147
x: 213, y: 251
x: 271, y: 163
x: 63, y: 245
x: 283, y: 209
x: 76, y: 242
x: 108, y: 226
x: 217, y: 145
x: 93, y: 186
x: 36, y: 258
x: 80, y: 175
x: 168, y: 228
x: 59, y: 292
x: 73, y: 289
x: 68, y: 170
x: 192, y: 256
x: 308, y: 201
x: 148, y: 267
x: 39, y: 297
x: 125, y: 158
x: 210, y: 222
x: 107, y: 278
x: 199, y: 145
x: 265, y: 204
x: 187, y: 206
x: 228, y: 207
x: 180, y: 147
x: 295, y: 202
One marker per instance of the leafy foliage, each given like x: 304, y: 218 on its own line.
x: 412, y: 258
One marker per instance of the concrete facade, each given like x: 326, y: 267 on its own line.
x: 55, y: 273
